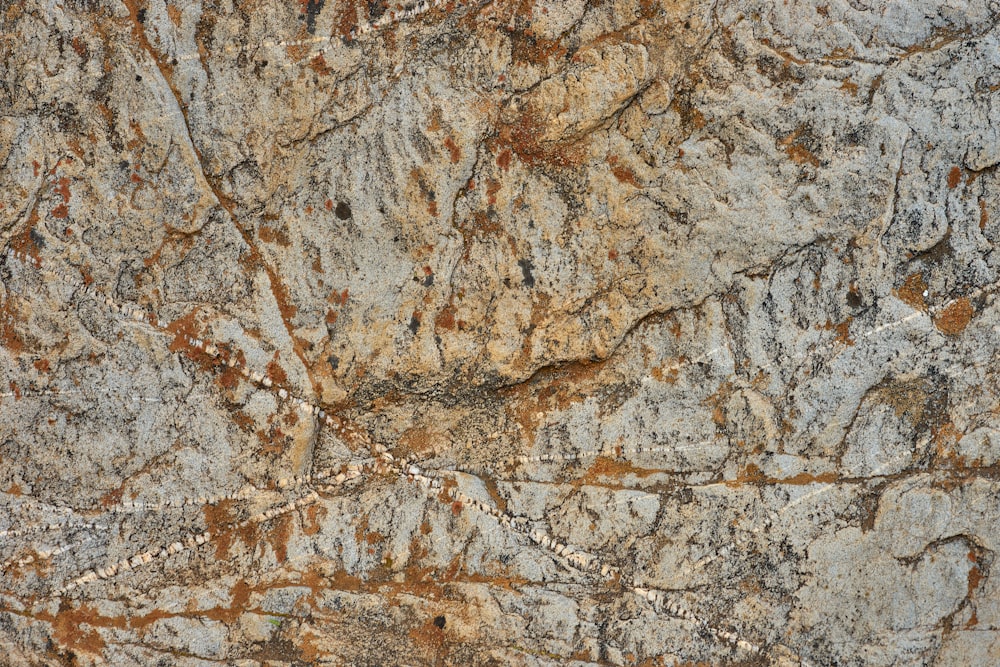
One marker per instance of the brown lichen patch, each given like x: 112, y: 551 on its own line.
x: 525, y: 137
x: 952, y: 320
x: 277, y: 536
x: 503, y: 159
x: 797, y: 152
x: 849, y: 87
x: 843, y: 331
x: 454, y: 152
x: 910, y: 399
x: 74, y: 628
x: 604, y: 468
x: 623, y: 173
x: 670, y: 372
x: 550, y: 389
x: 946, y: 438
x: 912, y: 291
x: 27, y: 241
x: 239, y: 602
x: 219, y: 520
x: 318, y: 65
x: 431, y: 639
x: 313, y: 522
x: 954, y: 177
x: 445, y: 319
x: 185, y: 326
x: 270, y: 234
x: 527, y: 47
x: 174, y: 14
x: 277, y: 373
x: 418, y: 440
x: 113, y: 497
x: 751, y: 474
x: 9, y: 337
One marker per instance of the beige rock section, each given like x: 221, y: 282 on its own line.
x: 513, y: 332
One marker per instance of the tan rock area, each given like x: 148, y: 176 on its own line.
x: 511, y: 332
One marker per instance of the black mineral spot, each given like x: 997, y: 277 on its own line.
x: 414, y: 324
x: 313, y: 7
x: 138, y: 77
x: 854, y: 300
x: 37, y: 238
x: 439, y: 621
x: 173, y: 62
x: 334, y: 361
x: 526, y: 267
x: 429, y: 280
x: 343, y: 210
x: 141, y: 15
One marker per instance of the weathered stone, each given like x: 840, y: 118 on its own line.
x: 615, y: 332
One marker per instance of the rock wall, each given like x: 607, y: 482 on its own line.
x: 512, y: 332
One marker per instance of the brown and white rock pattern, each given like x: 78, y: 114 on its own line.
x: 703, y: 291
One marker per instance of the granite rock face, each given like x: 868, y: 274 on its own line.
x: 534, y: 332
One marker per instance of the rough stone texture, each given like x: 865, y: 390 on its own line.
x: 727, y: 268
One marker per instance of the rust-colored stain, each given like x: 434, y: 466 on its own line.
x: 492, y: 188
x: 318, y: 65
x: 8, y: 335
x: 219, y: 519
x: 669, y: 374
x: 113, y: 497
x: 605, y: 467
x: 751, y: 474
x: 445, y: 320
x: 843, y: 331
x: 952, y: 320
x: 504, y: 158
x: 277, y: 373
x: 912, y: 291
x: 984, y: 215
x: 525, y: 138
x: 954, y: 177
x: 800, y: 155
x: 417, y: 440
x: 314, y: 516
x: 849, y: 87
x: 623, y: 173
x: 62, y: 188
x: 174, y: 14
x: 431, y: 638
x: 278, y: 536
x: 269, y: 234
x: 68, y: 628
x: 454, y: 151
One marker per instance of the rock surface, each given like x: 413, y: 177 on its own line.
x: 677, y: 322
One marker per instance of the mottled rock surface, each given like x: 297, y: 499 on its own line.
x: 704, y: 290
